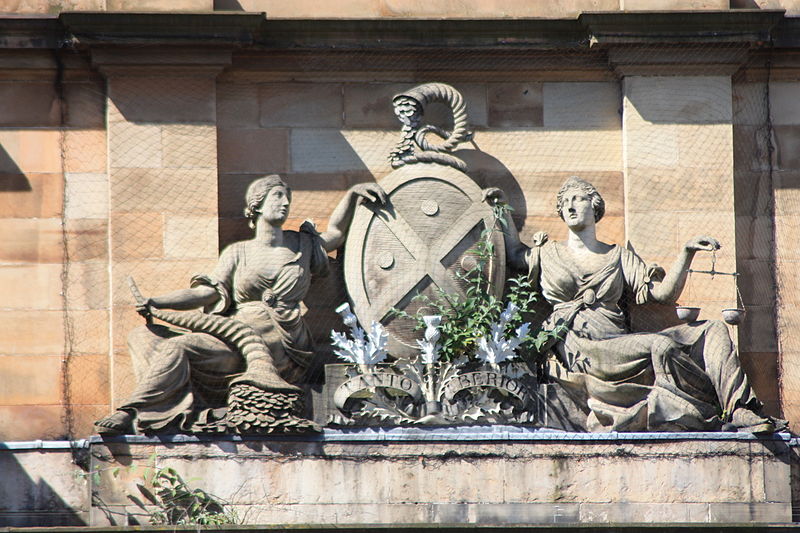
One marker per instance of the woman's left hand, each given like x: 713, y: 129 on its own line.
x: 702, y: 243
x: 370, y: 192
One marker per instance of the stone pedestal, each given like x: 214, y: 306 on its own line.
x: 474, y: 475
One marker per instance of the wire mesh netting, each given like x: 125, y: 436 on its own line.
x: 679, y: 141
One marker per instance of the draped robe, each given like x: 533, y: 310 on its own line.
x: 682, y: 378
x: 183, y: 378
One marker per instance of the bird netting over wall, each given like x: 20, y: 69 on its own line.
x: 680, y: 142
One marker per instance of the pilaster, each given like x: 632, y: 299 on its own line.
x: 162, y: 160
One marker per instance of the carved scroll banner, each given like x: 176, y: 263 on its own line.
x: 376, y: 379
x: 496, y: 380
x: 421, y: 242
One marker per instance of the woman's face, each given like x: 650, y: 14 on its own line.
x: 275, y: 207
x: 577, y: 210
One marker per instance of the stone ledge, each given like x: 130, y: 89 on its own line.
x: 474, y: 476
x: 456, y: 434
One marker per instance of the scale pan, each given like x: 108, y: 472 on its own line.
x: 733, y: 316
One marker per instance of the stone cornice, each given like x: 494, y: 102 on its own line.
x: 212, y: 28
x: 681, y: 27
x: 257, y: 31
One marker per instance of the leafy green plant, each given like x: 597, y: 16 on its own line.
x: 466, y: 318
x: 173, y: 502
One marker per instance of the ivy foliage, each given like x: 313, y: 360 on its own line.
x: 466, y: 318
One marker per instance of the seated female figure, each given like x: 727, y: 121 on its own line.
x: 183, y: 380
x: 687, y: 377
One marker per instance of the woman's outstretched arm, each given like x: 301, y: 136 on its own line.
x: 671, y: 287
x: 340, y: 219
x: 185, y: 299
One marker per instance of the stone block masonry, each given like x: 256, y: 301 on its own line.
x: 477, y: 475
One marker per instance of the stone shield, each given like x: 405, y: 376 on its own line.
x: 418, y: 243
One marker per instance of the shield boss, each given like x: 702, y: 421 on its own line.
x: 419, y: 242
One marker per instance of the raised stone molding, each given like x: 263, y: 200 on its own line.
x: 181, y: 62
x: 650, y: 60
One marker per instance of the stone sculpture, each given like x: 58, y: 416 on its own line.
x: 198, y: 382
x: 687, y: 377
x: 424, y: 238
x: 414, y: 146
x: 434, y: 240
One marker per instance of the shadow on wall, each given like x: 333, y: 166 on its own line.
x: 12, y: 178
x: 33, y: 488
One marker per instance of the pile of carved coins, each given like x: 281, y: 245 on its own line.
x: 255, y: 411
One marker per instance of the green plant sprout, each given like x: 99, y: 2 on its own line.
x: 467, y: 318
x: 173, y: 502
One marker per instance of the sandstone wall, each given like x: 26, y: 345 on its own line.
x: 53, y: 253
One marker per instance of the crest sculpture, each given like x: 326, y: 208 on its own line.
x: 433, y: 245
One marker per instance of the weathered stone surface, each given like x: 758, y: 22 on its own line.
x: 786, y: 185
x: 161, y: 100
x: 237, y: 105
x: 43, y: 282
x: 87, y: 285
x: 784, y: 106
x: 306, y: 8
x: 189, y: 237
x: 678, y: 190
x: 750, y: 103
x: 89, y: 331
x: 85, y: 151
x: 137, y: 235
x: 33, y: 150
x: 30, y: 379
x: 31, y: 422
x: 757, y: 283
x: 542, y: 150
x: 787, y: 232
x: 31, y: 240
x: 48, y: 6
x: 301, y: 105
x: 678, y: 99
x: 189, y: 146
x: 29, y: 104
x: 31, y: 195
x: 134, y: 145
x: 512, y: 105
x: 593, y: 105
x: 86, y: 196
x: 85, y: 105
x: 87, y: 239
x: 89, y: 380
x: 667, y: 5
x: 761, y: 319
x: 156, y: 5
x: 762, y: 370
x: 326, y: 150
x: 257, y: 151
x: 787, y: 141
x: 528, y: 482
x: 173, y: 190
x: 21, y: 333
x: 38, y: 483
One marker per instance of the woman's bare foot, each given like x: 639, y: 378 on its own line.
x: 119, y: 423
x: 748, y: 421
